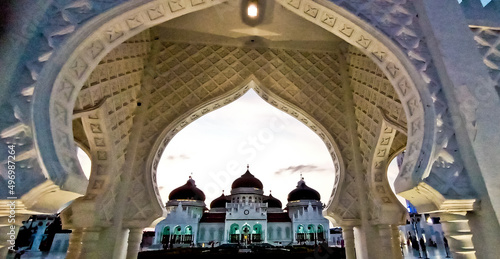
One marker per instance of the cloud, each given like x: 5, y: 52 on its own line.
x: 179, y: 157
x: 299, y: 169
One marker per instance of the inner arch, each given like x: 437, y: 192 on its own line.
x: 180, y: 123
x: 217, y: 147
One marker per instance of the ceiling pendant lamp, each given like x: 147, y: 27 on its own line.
x: 252, y: 9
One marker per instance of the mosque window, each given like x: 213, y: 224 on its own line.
x: 234, y: 233
x: 188, y: 235
x: 177, y: 237
x: 301, y: 236
x: 257, y: 233
x: 311, y: 232
x: 321, y: 233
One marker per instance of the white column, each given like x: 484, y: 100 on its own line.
x: 396, y: 242
x: 134, y: 242
x: 89, y: 243
x: 348, y: 236
x: 385, y: 241
x: 75, y: 243
x: 457, y: 231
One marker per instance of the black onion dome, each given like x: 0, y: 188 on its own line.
x: 247, y: 180
x: 188, y: 191
x: 219, y: 202
x: 303, y: 192
x: 273, y: 202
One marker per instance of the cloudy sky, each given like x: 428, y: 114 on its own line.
x: 217, y: 147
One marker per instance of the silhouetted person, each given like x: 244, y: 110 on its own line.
x: 23, y: 237
x: 424, y: 249
x: 165, y: 242
x: 446, y: 247
x: 414, y: 242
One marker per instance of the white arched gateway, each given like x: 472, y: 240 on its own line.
x: 369, y: 77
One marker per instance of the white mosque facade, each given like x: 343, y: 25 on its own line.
x: 246, y: 216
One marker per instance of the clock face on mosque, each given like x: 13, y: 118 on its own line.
x: 246, y: 212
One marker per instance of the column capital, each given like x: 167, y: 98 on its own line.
x: 428, y: 200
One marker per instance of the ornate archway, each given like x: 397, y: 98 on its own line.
x: 398, y: 52
x: 120, y: 25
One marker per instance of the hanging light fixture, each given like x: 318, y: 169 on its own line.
x: 256, y: 12
x: 252, y: 9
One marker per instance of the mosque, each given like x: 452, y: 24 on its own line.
x: 245, y: 216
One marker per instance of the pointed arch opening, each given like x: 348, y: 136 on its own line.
x: 253, y: 85
x: 248, y: 131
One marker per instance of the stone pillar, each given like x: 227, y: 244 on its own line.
x: 385, y: 241
x: 90, y: 243
x: 134, y: 242
x: 348, y: 236
x: 75, y: 243
x: 459, y: 235
x: 396, y: 242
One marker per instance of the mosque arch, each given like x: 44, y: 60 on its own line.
x: 59, y: 102
x: 257, y: 233
x: 234, y: 233
x: 70, y: 76
x: 301, y: 234
x: 235, y: 229
x: 177, y: 235
x: 321, y: 233
x: 300, y: 229
x: 387, y: 208
x: 257, y: 229
x: 311, y: 232
x: 246, y: 229
x: 188, y: 230
x: 267, y: 95
x: 166, y: 230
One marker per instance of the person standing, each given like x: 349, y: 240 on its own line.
x: 446, y: 247
x: 424, y: 248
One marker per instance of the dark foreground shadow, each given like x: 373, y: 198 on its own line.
x: 319, y: 252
